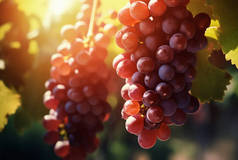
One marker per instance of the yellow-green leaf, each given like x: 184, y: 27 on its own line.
x: 233, y: 56
x: 9, y: 102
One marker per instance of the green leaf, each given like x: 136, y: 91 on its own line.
x: 9, y: 103
x: 226, y: 12
x: 210, y: 82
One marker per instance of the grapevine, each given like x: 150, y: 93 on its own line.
x: 160, y: 39
x: 77, y: 91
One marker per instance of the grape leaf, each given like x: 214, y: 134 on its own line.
x: 210, y: 82
x: 9, y: 103
x: 225, y: 12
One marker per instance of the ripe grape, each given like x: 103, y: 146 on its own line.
x: 135, y: 124
x: 147, y: 139
x: 139, y: 10
x: 150, y: 98
x: 151, y: 80
x: 131, y: 107
x: 178, y: 42
x: 170, y: 25
x: 164, y: 90
x: 166, y: 72
x: 155, y: 114
x: 164, y: 132
x: 145, y: 65
x: 164, y: 54
x: 157, y: 7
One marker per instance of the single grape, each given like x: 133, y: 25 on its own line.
x: 164, y: 132
x: 188, y: 28
x: 70, y: 107
x: 193, y: 106
x: 178, y: 42
x: 182, y: 99
x: 164, y: 54
x: 126, y: 68
x: 179, y: 64
x: 150, y: 98
x: 131, y: 107
x: 147, y: 139
x: 151, y: 80
x: 145, y: 65
x: 147, y: 27
x: 138, y: 77
x: 169, y: 107
x: 119, y: 58
x: 166, y: 72
x: 139, y: 10
x: 155, y: 114
x: 179, y: 117
x: 136, y: 92
x: 157, y: 7
x: 202, y: 21
x: 170, y: 25
x: 135, y: 124
x: 62, y: 148
x: 164, y: 90
x: 178, y: 83
x: 130, y: 41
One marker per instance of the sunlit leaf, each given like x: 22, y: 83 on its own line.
x: 4, y: 29
x: 9, y: 103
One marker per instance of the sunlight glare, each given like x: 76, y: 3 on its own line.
x: 58, y: 7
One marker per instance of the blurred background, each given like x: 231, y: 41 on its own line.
x: 29, y: 34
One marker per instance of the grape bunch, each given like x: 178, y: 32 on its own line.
x: 77, y: 91
x: 160, y: 39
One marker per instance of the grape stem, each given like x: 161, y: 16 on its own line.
x: 91, y: 25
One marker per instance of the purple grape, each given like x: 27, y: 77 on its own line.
x: 182, y: 99
x: 180, y: 64
x: 178, y: 42
x: 145, y: 65
x: 179, y: 117
x: 166, y: 72
x: 170, y: 25
x: 138, y: 77
x: 178, y: 83
x: 169, y: 107
x: 193, y: 106
x: 165, y: 90
x: 70, y: 107
x: 165, y: 54
x: 150, y: 98
x: 188, y: 28
x: 151, y: 80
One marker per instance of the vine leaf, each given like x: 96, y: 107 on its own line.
x: 9, y: 103
x: 210, y: 82
x: 233, y: 57
x: 224, y: 11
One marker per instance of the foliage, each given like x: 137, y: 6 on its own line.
x: 9, y: 103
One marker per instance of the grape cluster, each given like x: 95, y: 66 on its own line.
x: 160, y: 39
x: 77, y: 91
